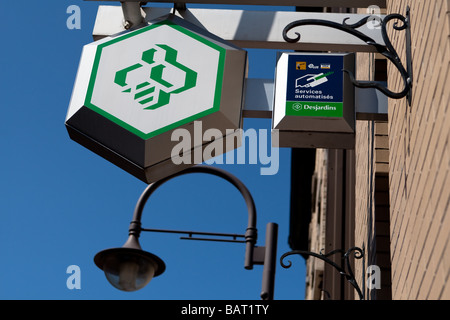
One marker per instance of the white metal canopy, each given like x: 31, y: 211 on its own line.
x: 253, y: 29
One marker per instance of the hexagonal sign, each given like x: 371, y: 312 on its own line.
x: 133, y: 90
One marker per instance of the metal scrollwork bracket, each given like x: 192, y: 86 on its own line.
x: 386, y: 49
x: 345, y: 269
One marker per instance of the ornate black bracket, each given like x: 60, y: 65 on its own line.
x: 386, y: 50
x: 345, y: 270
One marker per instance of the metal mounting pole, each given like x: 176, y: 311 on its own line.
x: 132, y: 14
x: 270, y: 255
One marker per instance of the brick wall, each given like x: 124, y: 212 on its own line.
x: 402, y: 186
x: 364, y: 159
x: 419, y: 157
x: 372, y: 223
x: 315, y: 267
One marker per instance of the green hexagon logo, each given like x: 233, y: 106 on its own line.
x: 148, y: 87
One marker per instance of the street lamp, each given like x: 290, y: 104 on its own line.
x: 129, y: 268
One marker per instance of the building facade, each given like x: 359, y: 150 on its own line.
x: 389, y: 196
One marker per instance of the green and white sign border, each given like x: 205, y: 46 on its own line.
x: 218, y: 89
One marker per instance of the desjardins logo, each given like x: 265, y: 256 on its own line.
x: 164, y: 76
x: 297, y: 106
x: 317, y: 107
x: 313, y: 107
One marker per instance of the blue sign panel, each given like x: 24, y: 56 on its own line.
x: 315, y: 86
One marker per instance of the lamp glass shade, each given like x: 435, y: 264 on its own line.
x: 129, y: 269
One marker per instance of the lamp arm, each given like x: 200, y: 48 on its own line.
x: 251, y: 232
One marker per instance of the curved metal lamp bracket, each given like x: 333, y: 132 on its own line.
x: 386, y: 50
x: 250, y: 234
x: 345, y: 270
x: 265, y: 255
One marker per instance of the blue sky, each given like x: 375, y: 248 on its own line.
x: 60, y: 203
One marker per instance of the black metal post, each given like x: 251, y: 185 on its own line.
x: 270, y: 256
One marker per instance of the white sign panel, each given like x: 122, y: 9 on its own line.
x: 134, y: 89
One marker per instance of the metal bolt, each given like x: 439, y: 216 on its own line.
x: 127, y: 24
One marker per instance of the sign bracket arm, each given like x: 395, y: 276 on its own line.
x: 386, y: 50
